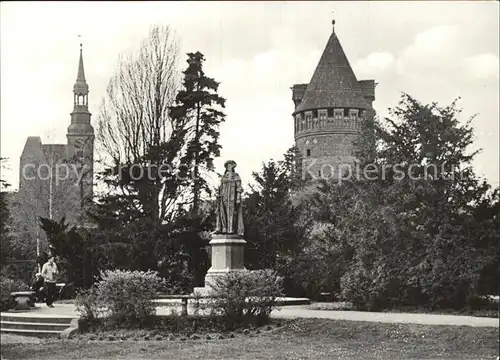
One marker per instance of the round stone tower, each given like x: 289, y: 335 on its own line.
x: 329, y: 112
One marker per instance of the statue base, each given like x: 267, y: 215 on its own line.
x: 227, y: 257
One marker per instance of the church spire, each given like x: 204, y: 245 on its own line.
x: 80, y: 117
x: 80, y: 135
x: 81, y: 72
x: 80, y: 88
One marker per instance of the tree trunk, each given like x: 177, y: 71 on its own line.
x: 196, y: 185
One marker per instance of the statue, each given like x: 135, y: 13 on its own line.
x: 227, y: 244
x: 229, y: 210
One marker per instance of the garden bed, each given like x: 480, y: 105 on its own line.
x: 175, y: 328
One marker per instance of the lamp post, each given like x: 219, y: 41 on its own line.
x: 38, y: 250
x: 87, y: 226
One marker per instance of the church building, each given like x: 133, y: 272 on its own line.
x: 56, y: 180
x: 329, y: 112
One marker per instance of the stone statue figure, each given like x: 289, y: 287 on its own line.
x: 229, y: 210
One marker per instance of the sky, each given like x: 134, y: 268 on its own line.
x: 434, y: 51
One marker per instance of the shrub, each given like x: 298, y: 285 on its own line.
x: 128, y: 295
x: 6, y: 287
x: 377, y: 287
x: 359, y: 287
x: 246, y: 296
x: 90, y: 307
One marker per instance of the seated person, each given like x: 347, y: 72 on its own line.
x: 37, y: 287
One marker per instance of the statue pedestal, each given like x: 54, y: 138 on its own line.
x: 227, y: 256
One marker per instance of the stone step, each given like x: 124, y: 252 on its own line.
x: 47, y: 319
x: 29, y: 332
x: 32, y: 326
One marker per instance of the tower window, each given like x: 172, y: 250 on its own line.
x: 308, y: 120
x: 353, y: 114
x: 308, y: 152
x: 322, y: 117
x: 338, y: 114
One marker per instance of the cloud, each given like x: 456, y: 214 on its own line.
x: 264, y: 62
x: 374, y: 64
x: 443, y: 52
x: 433, y: 52
x: 433, y: 39
x: 269, y: 73
x: 483, y: 66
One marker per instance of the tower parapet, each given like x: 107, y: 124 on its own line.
x: 298, y: 91
x: 368, y: 90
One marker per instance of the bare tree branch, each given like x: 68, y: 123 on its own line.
x: 134, y: 115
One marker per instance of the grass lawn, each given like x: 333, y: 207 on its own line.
x: 301, y: 339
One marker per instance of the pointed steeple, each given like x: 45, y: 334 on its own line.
x: 81, y: 87
x: 81, y: 72
x: 333, y: 84
x: 80, y: 117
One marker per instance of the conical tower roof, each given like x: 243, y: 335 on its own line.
x: 333, y: 84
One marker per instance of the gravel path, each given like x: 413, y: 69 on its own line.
x: 302, y: 311
x: 384, y: 317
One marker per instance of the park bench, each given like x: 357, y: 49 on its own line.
x: 25, y: 300
x: 184, y: 300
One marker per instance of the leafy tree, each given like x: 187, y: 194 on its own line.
x: 152, y: 143
x: 171, y: 249
x: 326, y: 251
x: 75, y: 251
x: 442, y: 191
x: 141, y: 215
x: 408, y: 232
x: 271, y: 221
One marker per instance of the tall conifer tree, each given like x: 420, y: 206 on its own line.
x: 199, y: 105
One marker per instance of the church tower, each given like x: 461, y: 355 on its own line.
x: 80, y: 135
x: 46, y: 189
x: 329, y: 112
